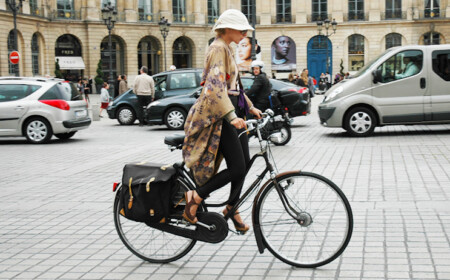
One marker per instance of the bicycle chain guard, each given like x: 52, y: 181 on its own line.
x: 219, y: 231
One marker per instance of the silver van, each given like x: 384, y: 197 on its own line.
x: 403, y: 85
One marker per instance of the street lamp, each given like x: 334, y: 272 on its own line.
x: 109, y: 15
x: 164, y: 28
x: 320, y: 25
x: 253, y: 53
x: 15, y: 7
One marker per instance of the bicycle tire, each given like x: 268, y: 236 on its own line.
x: 151, y: 244
x: 326, y: 209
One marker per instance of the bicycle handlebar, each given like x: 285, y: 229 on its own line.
x: 260, y: 123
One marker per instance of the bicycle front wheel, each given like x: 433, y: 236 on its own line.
x: 323, y: 225
x: 151, y: 244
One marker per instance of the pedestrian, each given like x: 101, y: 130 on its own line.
x: 104, y: 98
x: 80, y: 86
x: 302, y: 80
x: 215, y: 121
x: 328, y: 77
x: 273, y: 76
x: 116, y: 86
x: 144, y: 88
x: 172, y: 68
x: 291, y: 78
x: 87, y: 90
x: 260, y: 90
x: 347, y: 75
x: 311, y: 87
x: 123, y: 85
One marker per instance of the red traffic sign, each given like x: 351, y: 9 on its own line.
x: 14, y: 57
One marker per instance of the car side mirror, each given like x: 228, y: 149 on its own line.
x: 197, y: 93
x: 377, y: 76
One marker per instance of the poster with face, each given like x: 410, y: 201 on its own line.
x: 244, y: 54
x: 283, y: 54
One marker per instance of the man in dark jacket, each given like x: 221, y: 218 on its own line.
x: 260, y: 90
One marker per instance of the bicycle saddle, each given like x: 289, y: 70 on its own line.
x: 174, y: 140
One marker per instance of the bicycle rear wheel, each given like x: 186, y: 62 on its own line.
x: 151, y: 244
x: 322, y: 229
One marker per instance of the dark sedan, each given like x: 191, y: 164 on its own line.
x: 171, y: 111
x: 295, y: 98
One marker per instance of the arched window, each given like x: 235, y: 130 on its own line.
x: 179, y: 10
x: 12, y: 68
x: 35, y: 54
x: 117, y: 56
x: 213, y: 11
x: 431, y: 38
x: 355, y: 52
x: 148, y: 55
x: 284, y: 11
x: 319, y: 10
x: 145, y: 10
x: 182, y: 53
x: 393, y: 40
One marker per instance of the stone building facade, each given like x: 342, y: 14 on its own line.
x: 50, y: 29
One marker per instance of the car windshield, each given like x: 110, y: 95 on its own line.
x: 368, y: 65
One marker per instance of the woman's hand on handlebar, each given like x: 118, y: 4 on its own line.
x: 238, y: 123
x: 256, y: 112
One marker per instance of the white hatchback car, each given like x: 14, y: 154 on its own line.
x: 38, y: 108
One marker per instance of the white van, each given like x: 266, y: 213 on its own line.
x: 404, y: 85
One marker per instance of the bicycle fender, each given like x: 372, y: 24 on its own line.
x: 255, y: 218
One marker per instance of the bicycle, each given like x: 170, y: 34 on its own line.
x: 302, y: 218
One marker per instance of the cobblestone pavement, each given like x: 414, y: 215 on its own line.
x: 56, y: 217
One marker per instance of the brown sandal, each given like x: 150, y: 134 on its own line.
x: 187, y: 210
x: 240, y: 227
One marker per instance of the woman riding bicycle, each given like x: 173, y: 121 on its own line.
x: 215, y: 121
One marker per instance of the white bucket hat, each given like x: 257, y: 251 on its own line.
x: 233, y: 19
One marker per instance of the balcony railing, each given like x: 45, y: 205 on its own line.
x: 147, y: 17
x: 432, y: 13
x: 283, y: 19
x: 65, y: 14
x: 393, y: 14
x: 356, y: 15
x: 318, y: 17
x: 183, y: 19
x: 38, y: 12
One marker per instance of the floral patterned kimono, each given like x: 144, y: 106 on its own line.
x: 204, y: 122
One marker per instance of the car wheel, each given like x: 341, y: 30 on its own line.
x: 38, y: 130
x: 126, y: 116
x: 360, y: 122
x: 65, y: 136
x: 175, y: 118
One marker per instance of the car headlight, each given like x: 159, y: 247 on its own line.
x: 333, y: 94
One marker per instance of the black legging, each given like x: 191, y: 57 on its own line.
x: 236, y: 154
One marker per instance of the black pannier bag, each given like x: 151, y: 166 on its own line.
x: 146, y: 192
x: 274, y: 100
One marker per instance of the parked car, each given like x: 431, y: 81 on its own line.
x: 404, y: 85
x: 299, y: 101
x: 124, y: 108
x: 38, y: 108
x: 172, y: 111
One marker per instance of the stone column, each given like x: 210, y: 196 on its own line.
x: 301, y: 11
x: 265, y: 16
x: 199, y: 16
x: 447, y: 11
x: 164, y: 9
x: 337, y: 11
x: 374, y: 11
x: 92, y: 10
x: 131, y: 14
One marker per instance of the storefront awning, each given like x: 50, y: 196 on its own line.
x: 70, y: 62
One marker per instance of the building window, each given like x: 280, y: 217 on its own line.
x: 393, y: 40
x: 284, y: 11
x: 11, y: 47
x: 431, y: 38
x: 246, y: 8
x: 393, y: 9
x: 179, y: 10
x: 65, y: 9
x: 213, y: 11
x: 182, y: 53
x: 145, y: 10
x: 35, y: 54
x: 34, y: 10
x: 319, y: 10
x: 356, y: 10
x: 355, y: 52
x: 105, y: 2
x: 432, y: 8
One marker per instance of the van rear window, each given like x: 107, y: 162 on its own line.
x: 441, y: 64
